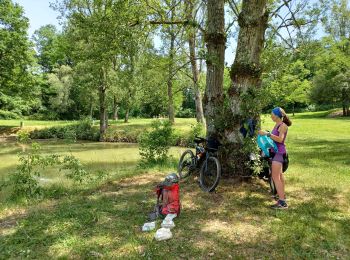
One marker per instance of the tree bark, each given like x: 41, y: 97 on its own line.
x: 346, y: 102
x: 103, y: 124
x: 91, y: 107
x: 115, y: 108
x: 102, y: 99
x: 194, y: 66
x: 127, y: 110
x: 245, y: 81
x: 171, y: 110
x: 215, y: 41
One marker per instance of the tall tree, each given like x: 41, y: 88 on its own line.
x: 245, y: 79
x: 215, y: 41
x: 18, y: 84
x: 337, y: 18
x: 172, y: 36
x: 333, y: 66
x: 52, y: 48
x: 225, y: 115
x: 192, y: 37
x: 98, y: 28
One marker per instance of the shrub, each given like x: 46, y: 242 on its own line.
x: 24, y: 181
x: 186, y: 113
x: 83, y: 131
x: 8, y: 115
x: 155, y: 144
x: 186, y: 139
x: 23, y: 137
x: 196, y: 130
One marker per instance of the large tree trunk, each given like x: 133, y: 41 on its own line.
x: 194, y: 66
x: 215, y: 41
x: 245, y: 75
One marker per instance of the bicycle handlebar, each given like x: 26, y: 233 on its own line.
x: 201, y: 139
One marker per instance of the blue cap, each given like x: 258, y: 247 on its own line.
x: 277, y: 111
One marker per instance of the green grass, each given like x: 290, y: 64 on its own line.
x: 17, y: 122
x: 104, y: 219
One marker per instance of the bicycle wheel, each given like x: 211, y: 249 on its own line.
x: 186, y: 164
x: 272, y: 186
x: 210, y: 174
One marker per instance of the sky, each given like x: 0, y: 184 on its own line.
x: 39, y: 13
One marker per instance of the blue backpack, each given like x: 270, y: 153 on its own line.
x: 265, y: 143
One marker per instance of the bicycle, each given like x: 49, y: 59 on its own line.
x: 205, y: 160
x: 266, y: 174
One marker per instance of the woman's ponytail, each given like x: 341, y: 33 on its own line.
x: 285, y: 119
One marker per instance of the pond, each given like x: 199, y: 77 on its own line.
x: 95, y: 156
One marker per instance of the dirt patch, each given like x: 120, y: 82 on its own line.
x: 338, y: 113
x: 7, y: 139
x: 6, y: 131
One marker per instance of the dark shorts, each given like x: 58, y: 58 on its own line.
x: 278, y: 157
x: 281, y: 158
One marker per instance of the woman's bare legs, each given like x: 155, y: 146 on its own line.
x: 278, y: 179
x: 282, y: 179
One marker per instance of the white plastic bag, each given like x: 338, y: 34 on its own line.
x: 149, y: 226
x: 168, y: 223
x: 171, y: 216
x: 163, y: 234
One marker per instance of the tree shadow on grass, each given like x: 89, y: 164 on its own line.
x: 324, y: 150
x: 242, y: 225
x: 82, y: 225
x: 235, y: 221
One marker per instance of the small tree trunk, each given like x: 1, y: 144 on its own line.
x: 103, y: 109
x: 126, y: 119
x: 293, y: 108
x: 115, y: 108
x: 194, y: 66
x: 91, y: 107
x: 343, y: 101
x: 215, y: 40
x: 103, y: 123
x: 171, y: 110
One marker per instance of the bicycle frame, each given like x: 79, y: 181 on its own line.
x: 200, y: 150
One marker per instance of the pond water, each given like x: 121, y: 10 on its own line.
x: 95, y: 156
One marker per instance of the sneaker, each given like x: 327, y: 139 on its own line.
x: 281, y: 204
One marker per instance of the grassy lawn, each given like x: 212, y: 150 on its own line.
x: 103, y: 219
x: 117, y: 130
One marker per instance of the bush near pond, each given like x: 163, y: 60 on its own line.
x: 83, y: 130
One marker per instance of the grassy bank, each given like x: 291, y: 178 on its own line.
x: 103, y: 219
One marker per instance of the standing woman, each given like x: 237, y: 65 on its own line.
x: 278, y: 135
